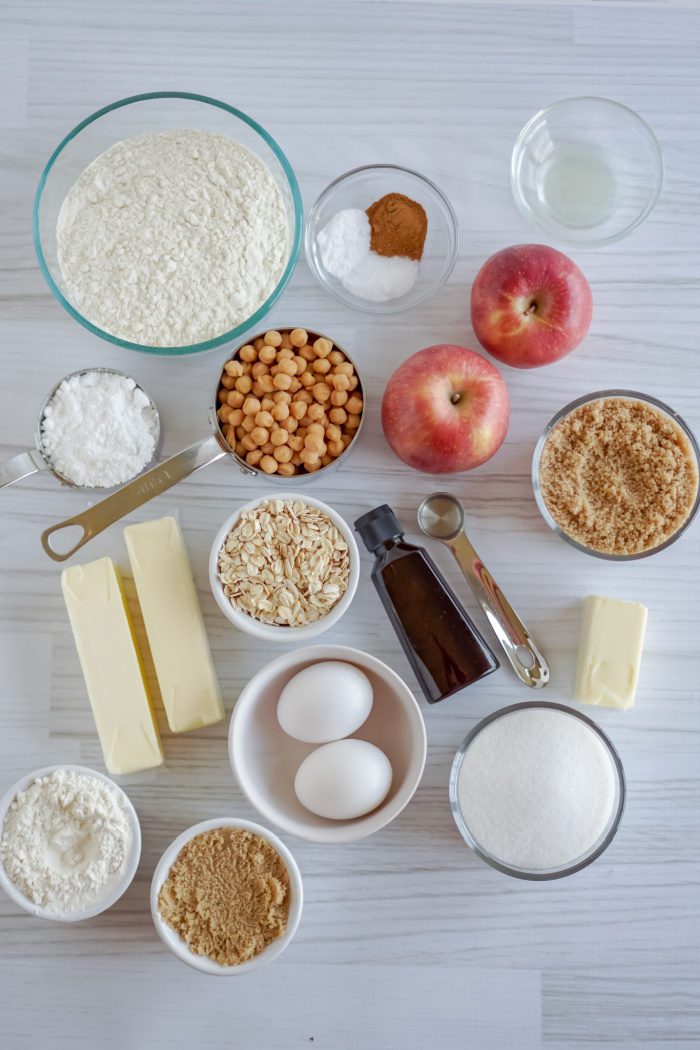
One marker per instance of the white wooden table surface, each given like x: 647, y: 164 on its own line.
x: 407, y: 940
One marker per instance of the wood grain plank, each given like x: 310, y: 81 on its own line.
x: 406, y: 939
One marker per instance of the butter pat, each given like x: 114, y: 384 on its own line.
x: 174, y: 625
x: 610, y: 651
x: 111, y: 667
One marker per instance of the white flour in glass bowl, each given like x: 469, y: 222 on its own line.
x: 172, y: 238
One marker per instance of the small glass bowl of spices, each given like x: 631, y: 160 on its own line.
x: 226, y: 897
x: 382, y: 238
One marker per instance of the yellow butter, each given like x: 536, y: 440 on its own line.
x: 111, y: 666
x: 610, y: 651
x: 173, y: 620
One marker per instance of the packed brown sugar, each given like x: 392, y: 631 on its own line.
x: 618, y: 476
x: 227, y: 895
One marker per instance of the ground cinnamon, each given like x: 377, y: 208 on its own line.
x: 399, y: 226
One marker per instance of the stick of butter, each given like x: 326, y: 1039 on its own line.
x: 174, y: 625
x: 111, y: 667
x: 610, y: 651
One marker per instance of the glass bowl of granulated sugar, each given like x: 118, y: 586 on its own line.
x: 537, y: 790
x: 382, y: 239
x: 168, y: 223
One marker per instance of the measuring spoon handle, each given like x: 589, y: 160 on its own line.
x: 525, y: 658
x: 134, y: 494
x: 21, y: 466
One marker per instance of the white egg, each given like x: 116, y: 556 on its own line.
x: 326, y: 701
x: 344, y: 779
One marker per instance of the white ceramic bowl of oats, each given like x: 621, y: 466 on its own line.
x: 284, y: 569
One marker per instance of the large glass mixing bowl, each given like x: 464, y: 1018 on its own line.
x: 155, y: 112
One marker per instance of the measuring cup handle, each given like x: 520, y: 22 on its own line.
x: 21, y: 466
x: 134, y: 494
x: 525, y: 657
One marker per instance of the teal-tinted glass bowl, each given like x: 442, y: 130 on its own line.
x: 154, y: 112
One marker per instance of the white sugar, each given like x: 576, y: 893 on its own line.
x: 536, y: 788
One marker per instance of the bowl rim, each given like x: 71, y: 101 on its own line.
x: 595, y: 851
x: 171, y: 938
x: 352, y: 300
x: 130, y: 868
x: 338, y: 832
x: 599, y: 395
x: 556, y: 232
x: 225, y: 337
x: 277, y: 632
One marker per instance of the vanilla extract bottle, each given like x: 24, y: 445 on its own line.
x: 445, y: 649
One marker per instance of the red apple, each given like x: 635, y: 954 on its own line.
x: 530, y: 305
x: 445, y: 409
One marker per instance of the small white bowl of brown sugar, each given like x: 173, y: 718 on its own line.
x: 226, y: 897
x: 284, y: 569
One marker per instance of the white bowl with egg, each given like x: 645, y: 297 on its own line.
x: 280, y: 632
x: 266, y: 760
x: 172, y: 939
x: 119, y: 885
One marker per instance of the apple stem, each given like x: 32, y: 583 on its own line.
x: 532, y: 308
x: 456, y: 398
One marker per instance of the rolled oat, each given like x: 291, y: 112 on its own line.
x: 285, y: 563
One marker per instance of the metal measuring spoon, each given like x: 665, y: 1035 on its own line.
x: 441, y: 516
x: 32, y: 460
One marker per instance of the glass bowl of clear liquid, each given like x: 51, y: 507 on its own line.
x: 587, y: 170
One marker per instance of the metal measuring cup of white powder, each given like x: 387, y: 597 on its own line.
x: 537, y: 790
x: 97, y: 429
x: 169, y: 472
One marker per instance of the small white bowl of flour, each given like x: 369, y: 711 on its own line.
x: 70, y: 843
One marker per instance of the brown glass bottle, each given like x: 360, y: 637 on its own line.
x: 443, y: 646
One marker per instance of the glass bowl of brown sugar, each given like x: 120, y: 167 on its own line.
x: 615, y: 474
x: 382, y: 238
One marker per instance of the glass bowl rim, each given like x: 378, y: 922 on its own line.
x: 599, y: 395
x: 262, y: 310
x: 628, y: 113
x: 544, y: 874
x: 351, y: 300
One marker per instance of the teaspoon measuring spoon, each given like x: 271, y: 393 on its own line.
x: 441, y: 516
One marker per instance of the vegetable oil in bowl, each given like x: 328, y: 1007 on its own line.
x: 576, y: 185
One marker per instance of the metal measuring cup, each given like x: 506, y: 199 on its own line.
x: 208, y: 450
x: 32, y: 460
x: 441, y: 516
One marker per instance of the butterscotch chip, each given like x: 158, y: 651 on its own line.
x: 227, y: 895
x: 619, y: 476
x: 280, y: 381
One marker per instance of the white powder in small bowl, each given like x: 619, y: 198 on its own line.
x: 537, y: 788
x: 66, y: 841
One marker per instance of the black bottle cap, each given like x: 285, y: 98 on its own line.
x: 377, y: 526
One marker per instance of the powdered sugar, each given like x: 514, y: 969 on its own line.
x: 99, y: 429
x: 66, y: 840
x: 172, y: 238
